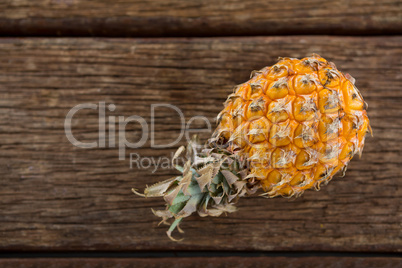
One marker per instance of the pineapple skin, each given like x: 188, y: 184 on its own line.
x: 296, y: 123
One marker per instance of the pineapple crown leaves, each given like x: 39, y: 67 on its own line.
x: 211, y: 183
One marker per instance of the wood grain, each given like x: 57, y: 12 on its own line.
x: 198, y: 18
x: 60, y: 197
x: 311, y: 262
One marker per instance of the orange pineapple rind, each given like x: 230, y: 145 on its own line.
x: 306, y: 104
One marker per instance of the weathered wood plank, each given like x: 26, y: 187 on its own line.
x: 198, y: 18
x: 57, y: 196
x: 311, y: 262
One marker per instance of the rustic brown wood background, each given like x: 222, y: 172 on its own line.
x: 57, y: 198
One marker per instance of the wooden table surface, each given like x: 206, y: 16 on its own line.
x: 64, y: 206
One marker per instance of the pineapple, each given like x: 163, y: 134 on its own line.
x: 291, y: 127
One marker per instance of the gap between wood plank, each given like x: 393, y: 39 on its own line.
x: 120, y: 34
x: 192, y: 254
